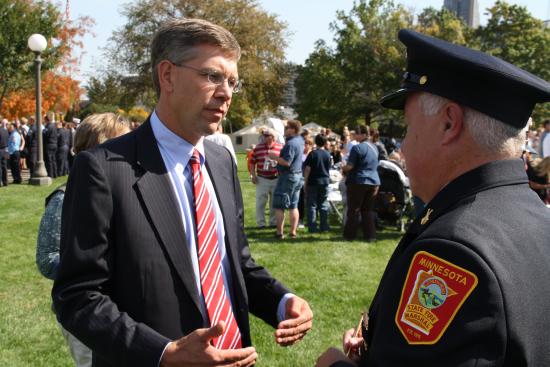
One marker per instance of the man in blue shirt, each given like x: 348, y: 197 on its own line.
x: 289, y: 166
x: 14, y: 143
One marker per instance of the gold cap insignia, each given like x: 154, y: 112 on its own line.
x: 423, y: 80
x: 426, y: 218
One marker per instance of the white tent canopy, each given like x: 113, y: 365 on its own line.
x: 249, y: 135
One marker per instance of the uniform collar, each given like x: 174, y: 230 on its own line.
x: 487, y: 176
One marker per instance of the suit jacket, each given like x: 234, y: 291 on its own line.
x: 51, y: 137
x: 64, y: 137
x: 126, y: 285
x: 488, y: 223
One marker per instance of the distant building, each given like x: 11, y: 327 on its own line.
x: 289, y: 94
x: 465, y: 9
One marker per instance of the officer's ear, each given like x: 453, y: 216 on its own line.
x: 452, y: 123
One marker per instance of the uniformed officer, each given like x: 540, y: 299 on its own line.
x: 468, y: 283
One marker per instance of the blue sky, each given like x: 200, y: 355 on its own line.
x: 308, y: 21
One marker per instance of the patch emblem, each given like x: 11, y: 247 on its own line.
x: 433, y: 293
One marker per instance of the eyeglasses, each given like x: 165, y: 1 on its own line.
x: 215, y: 77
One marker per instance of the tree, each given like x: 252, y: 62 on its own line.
x: 261, y: 35
x: 58, y: 94
x: 321, y: 88
x: 59, y: 91
x: 20, y: 19
x: 346, y: 83
x: 445, y: 25
x: 514, y: 35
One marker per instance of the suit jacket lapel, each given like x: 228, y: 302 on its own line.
x: 155, y: 188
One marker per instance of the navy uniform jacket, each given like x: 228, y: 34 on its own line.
x: 468, y: 285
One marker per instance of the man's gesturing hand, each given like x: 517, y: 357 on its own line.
x: 195, y: 349
x: 298, y: 321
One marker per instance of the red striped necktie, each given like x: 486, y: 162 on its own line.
x: 210, y: 267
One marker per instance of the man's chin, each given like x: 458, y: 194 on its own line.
x: 212, y: 127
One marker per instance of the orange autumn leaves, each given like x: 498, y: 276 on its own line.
x: 59, y: 93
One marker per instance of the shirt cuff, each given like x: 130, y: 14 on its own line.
x: 281, y: 310
x: 162, y: 355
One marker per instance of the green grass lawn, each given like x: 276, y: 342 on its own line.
x: 337, y: 278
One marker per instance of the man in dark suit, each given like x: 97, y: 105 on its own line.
x: 155, y: 267
x: 61, y: 155
x: 468, y: 283
x: 4, y: 155
x: 51, y: 137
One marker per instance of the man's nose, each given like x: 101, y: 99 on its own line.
x: 223, y: 91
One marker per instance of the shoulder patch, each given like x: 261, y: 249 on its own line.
x: 433, y: 293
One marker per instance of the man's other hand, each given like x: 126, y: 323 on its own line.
x: 352, y: 344
x: 298, y: 321
x: 196, y: 349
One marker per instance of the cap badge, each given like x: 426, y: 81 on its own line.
x: 415, y: 78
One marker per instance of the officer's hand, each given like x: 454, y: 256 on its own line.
x: 297, y: 322
x: 352, y: 344
x: 333, y: 355
x: 195, y: 350
x: 254, y: 179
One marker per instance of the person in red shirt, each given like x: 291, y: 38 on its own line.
x: 263, y: 173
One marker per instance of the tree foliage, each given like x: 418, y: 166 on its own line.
x: 350, y: 78
x: 321, y: 87
x: 20, y: 19
x: 514, y: 35
x: 445, y: 25
x: 59, y: 92
x: 344, y: 84
x: 113, y: 89
x: 261, y: 35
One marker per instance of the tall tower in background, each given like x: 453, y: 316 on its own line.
x: 465, y: 9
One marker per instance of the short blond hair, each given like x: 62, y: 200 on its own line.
x: 98, y: 128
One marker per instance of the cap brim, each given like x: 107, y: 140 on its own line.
x: 395, y: 100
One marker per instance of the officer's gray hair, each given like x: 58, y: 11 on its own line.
x: 489, y: 133
x: 177, y: 38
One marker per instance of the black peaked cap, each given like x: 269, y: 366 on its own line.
x: 469, y: 77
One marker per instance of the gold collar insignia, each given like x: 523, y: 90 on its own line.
x: 426, y: 218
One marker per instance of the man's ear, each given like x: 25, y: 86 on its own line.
x: 165, y: 70
x: 453, y: 122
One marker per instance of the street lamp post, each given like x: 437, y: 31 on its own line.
x: 37, y: 43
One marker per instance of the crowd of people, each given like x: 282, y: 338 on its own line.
x: 356, y: 154
x: 19, y: 146
x: 296, y: 177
